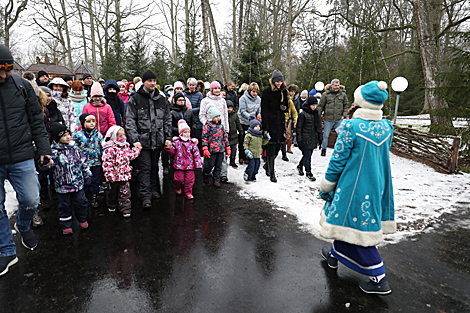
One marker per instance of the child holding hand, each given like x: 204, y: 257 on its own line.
x: 214, y: 142
x: 117, y: 155
x: 253, y: 149
x: 186, y: 159
x: 71, y: 174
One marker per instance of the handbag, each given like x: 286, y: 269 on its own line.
x: 288, y: 133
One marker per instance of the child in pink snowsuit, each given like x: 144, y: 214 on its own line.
x: 117, y: 155
x: 187, y: 159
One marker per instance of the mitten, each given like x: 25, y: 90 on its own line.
x: 249, y: 154
x: 328, y: 197
x: 195, y: 141
x: 251, y: 117
x: 174, y: 138
x: 268, y: 136
x: 229, y: 151
x: 207, y: 154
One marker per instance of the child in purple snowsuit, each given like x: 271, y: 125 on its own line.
x: 186, y: 159
x: 71, y: 174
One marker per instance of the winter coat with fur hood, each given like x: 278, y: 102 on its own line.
x: 334, y: 104
x: 274, y: 105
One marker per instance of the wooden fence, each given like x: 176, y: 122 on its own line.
x: 440, y: 150
x: 437, y: 150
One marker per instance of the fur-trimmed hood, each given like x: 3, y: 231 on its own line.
x: 327, y: 87
x: 273, y: 87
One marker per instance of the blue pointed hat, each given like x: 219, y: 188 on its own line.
x: 371, y: 95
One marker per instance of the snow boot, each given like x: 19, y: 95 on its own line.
x: 300, y: 169
x: 309, y: 175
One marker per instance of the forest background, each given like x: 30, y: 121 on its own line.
x: 425, y: 41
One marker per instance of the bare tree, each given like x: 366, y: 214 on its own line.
x: 216, y: 41
x: 10, y: 17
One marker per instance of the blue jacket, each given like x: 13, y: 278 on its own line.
x: 195, y: 98
x: 115, y: 102
x: 359, y: 174
x: 90, y: 145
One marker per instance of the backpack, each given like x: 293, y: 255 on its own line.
x: 22, y: 90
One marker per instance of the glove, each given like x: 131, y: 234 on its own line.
x: 265, y: 135
x: 207, y: 154
x: 328, y: 197
x: 229, y: 151
x: 195, y: 141
x: 251, y: 117
x: 268, y: 136
x: 88, y: 181
x: 174, y: 138
x: 249, y: 155
x: 320, y: 139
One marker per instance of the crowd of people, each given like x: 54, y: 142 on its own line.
x: 91, y: 137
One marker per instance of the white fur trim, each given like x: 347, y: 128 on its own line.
x: 350, y: 235
x: 368, y: 114
x: 326, y: 185
x: 360, y: 101
x: 382, y: 85
x: 389, y: 227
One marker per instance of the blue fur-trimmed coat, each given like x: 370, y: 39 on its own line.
x: 359, y: 173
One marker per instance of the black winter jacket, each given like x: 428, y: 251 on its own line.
x: 232, y: 96
x: 272, y: 115
x: 54, y: 113
x: 115, y: 102
x: 17, y: 132
x: 148, y: 119
x: 179, y: 112
x: 308, y: 128
x: 235, y: 128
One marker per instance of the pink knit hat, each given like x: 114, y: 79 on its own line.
x: 215, y: 84
x: 96, y: 90
x: 178, y: 84
x: 182, y: 125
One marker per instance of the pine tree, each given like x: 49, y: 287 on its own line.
x: 193, y: 62
x: 252, y: 64
x: 160, y: 65
x: 136, y: 60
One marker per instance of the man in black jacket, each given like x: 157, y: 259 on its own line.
x: 21, y: 124
x: 148, y: 123
x: 231, y: 95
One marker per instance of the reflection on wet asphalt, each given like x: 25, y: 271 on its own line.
x: 217, y: 253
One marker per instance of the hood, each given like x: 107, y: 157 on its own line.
x: 110, y: 83
x: 178, y: 108
x: 214, y: 97
x: 273, y: 87
x: 306, y: 108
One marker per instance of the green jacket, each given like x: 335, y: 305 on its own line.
x: 334, y: 104
x: 254, y: 144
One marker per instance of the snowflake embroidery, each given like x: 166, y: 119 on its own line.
x: 367, y: 196
x: 375, y: 129
x: 355, y: 219
x: 331, y: 210
x: 336, y: 215
x: 373, y: 221
x: 365, y: 214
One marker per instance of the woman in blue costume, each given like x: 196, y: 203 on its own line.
x: 358, y: 191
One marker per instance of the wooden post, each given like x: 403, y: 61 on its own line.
x: 455, y: 154
x: 410, y: 148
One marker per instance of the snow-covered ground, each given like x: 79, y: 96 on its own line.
x: 425, y: 120
x: 421, y: 194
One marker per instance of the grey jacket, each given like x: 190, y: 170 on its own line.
x: 248, y: 106
x: 148, y: 119
x: 17, y: 131
x: 334, y: 104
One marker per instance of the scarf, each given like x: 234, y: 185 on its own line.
x: 78, y: 98
x: 256, y: 133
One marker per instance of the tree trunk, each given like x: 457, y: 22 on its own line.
x: 11, y: 18
x: 290, y: 21
x: 117, y: 35
x: 216, y: 41
x: 234, y: 29
x: 240, y: 27
x: 67, y: 36
x: 204, y: 25
x: 82, y: 24
x: 427, y: 16
x: 186, y: 13
x: 93, y: 40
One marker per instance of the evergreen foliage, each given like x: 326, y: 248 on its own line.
x: 136, y: 60
x: 161, y: 65
x: 253, y: 57
x: 412, y: 100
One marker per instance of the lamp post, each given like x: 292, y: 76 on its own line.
x: 319, y: 86
x: 399, y: 84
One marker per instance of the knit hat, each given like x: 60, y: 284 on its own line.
x: 42, y: 73
x: 312, y: 100
x: 254, y: 122
x: 46, y: 90
x: 6, y: 58
x: 277, y: 76
x: 86, y: 75
x: 182, y: 81
x: 58, y: 81
x: 96, y: 90
x: 67, y: 78
x: 215, y: 84
x: 121, y: 84
x: 148, y: 74
x: 312, y: 92
x: 182, y: 125
x: 57, y: 130
x: 213, y: 112
x: 304, y: 94
x: 111, y: 135
x: 85, y: 117
x: 178, y: 84
x: 168, y: 88
x: 371, y: 95
x: 178, y: 95
x: 229, y: 103
x: 101, y: 81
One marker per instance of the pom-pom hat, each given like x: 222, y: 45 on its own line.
x: 371, y: 95
x: 182, y: 126
x: 96, y: 90
x: 215, y: 84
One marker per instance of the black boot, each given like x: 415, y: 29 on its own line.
x: 272, y: 175
x: 310, y: 176
x: 300, y: 168
x: 266, y: 168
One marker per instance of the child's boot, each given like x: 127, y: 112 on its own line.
x: 94, y: 201
x: 310, y: 176
x: 289, y: 145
